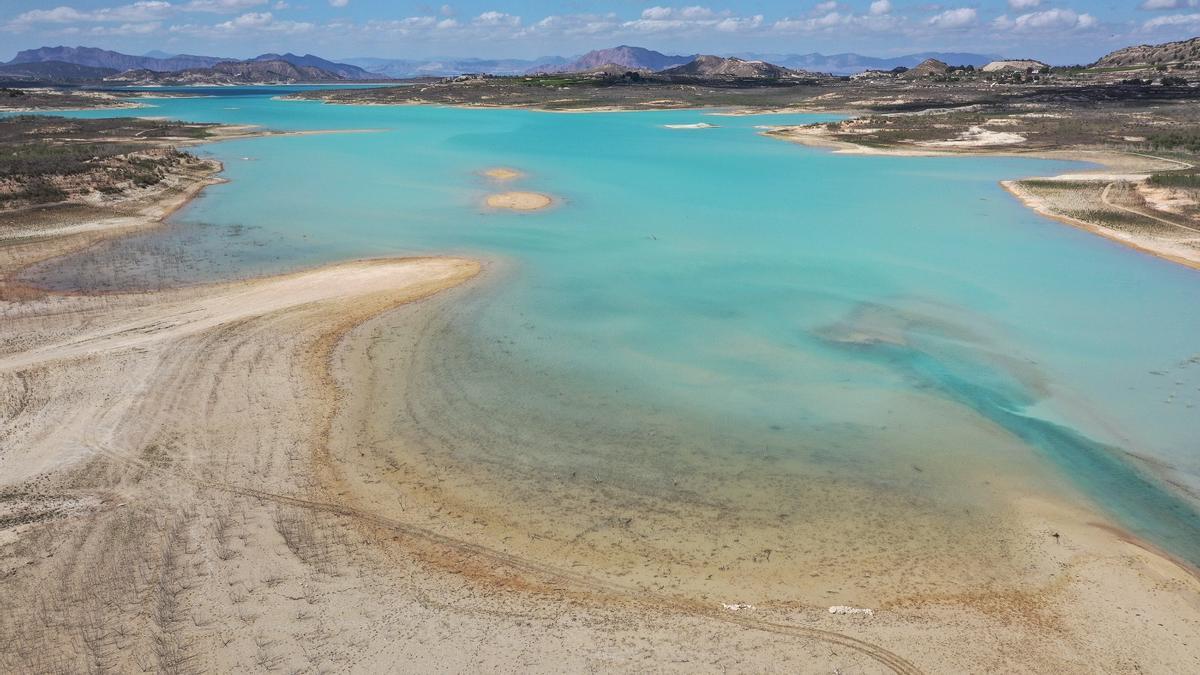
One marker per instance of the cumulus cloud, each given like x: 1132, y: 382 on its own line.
x: 338, y: 3
x: 881, y: 7
x: 1172, y: 21
x: 691, y: 19
x: 1154, y: 5
x: 249, y: 23
x: 132, y: 18
x: 953, y: 19
x: 1048, y: 20
x: 228, y: 6
x: 1023, y: 4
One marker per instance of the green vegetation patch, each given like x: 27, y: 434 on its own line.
x: 1187, y: 181
x: 1182, y: 139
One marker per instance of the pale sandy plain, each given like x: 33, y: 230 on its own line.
x: 200, y: 480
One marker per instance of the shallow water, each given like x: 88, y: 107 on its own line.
x: 713, y: 293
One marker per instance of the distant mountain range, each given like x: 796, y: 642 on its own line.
x: 648, y: 60
x: 158, y: 62
x: 850, y: 64
x: 103, y: 58
x: 272, y: 71
x: 408, y: 68
x: 83, y: 64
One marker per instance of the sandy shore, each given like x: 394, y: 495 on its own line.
x: 519, y: 201
x: 1180, y: 245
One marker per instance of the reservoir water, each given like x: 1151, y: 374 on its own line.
x: 765, y: 346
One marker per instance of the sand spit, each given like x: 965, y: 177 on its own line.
x: 519, y: 201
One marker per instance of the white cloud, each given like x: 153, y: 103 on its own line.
x: 1048, y: 20
x: 693, y: 19
x: 338, y: 3
x: 839, y: 22
x: 144, y: 10
x: 228, y: 6
x: 825, y: 7
x: 953, y: 19
x: 1173, y: 20
x: 578, y: 24
x: 497, y: 19
x: 133, y: 18
x: 1154, y: 5
x: 881, y: 7
x: 250, y: 23
x: 1024, y: 4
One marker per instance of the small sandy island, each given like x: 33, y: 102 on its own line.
x: 699, y: 125
x: 503, y: 174
x: 519, y: 201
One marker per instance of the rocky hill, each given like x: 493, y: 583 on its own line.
x: 229, y: 73
x: 631, y: 58
x: 928, y: 68
x: 716, y: 66
x: 343, y: 70
x: 1186, y: 51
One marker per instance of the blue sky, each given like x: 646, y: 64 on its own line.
x: 1062, y: 31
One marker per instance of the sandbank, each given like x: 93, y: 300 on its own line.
x: 519, y: 201
x: 503, y: 174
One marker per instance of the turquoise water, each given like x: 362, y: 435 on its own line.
x: 789, y: 301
